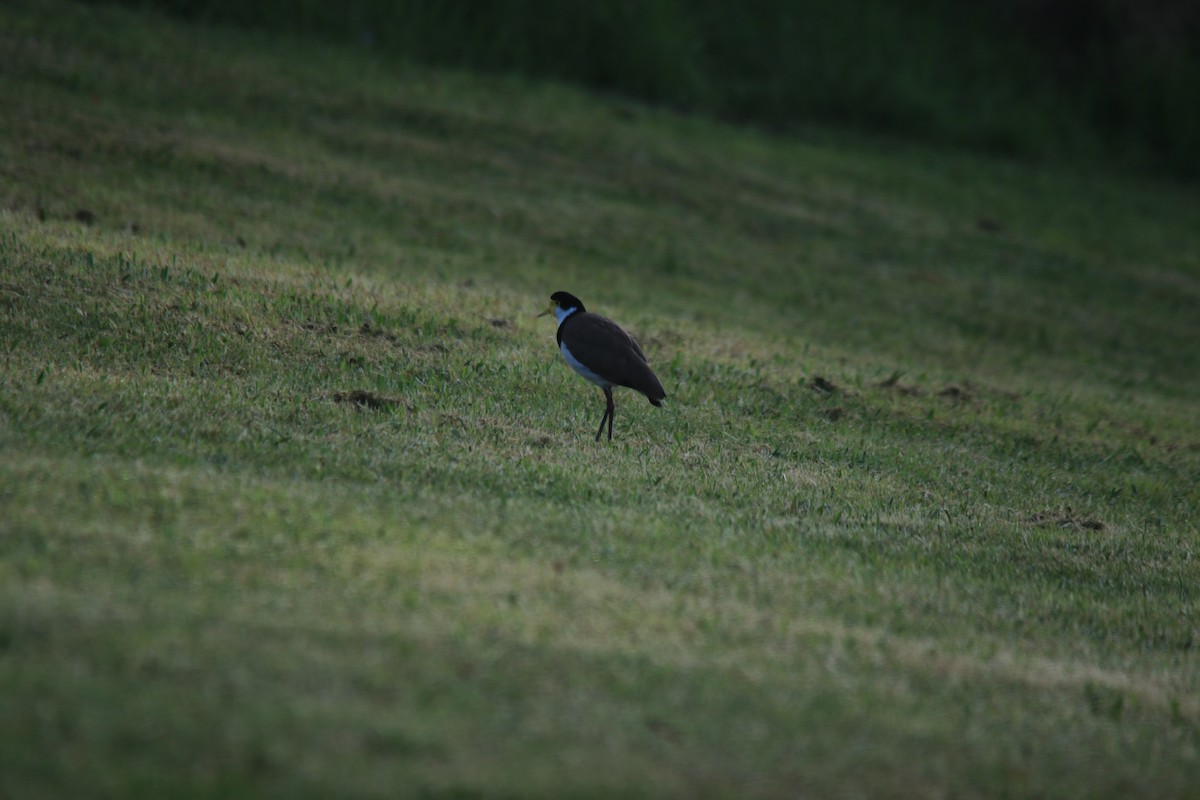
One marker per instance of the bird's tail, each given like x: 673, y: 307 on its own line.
x: 645, y: 381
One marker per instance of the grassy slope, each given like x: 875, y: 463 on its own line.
x: 214, y: 577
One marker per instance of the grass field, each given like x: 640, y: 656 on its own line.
x: 919, y: 518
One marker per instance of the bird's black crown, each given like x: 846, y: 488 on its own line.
x: 567, y: 300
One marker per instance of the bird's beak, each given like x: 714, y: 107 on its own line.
x: 549, y: 310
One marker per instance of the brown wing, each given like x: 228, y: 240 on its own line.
x: 604, y: 347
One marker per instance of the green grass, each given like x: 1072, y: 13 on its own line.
x: 968, y: 570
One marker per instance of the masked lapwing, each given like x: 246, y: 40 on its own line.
x: 601, y: 351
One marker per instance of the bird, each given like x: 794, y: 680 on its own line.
x: 601, y: 351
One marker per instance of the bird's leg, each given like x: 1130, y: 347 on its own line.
x: 608, y: 414
x: 612, y: 411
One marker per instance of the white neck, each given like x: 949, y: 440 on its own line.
x: 561, y: 313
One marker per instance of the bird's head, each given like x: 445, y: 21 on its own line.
x: 563, y: 304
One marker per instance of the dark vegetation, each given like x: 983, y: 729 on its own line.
x: 1032, y: 78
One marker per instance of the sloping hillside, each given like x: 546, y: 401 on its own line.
x: 297, y: 497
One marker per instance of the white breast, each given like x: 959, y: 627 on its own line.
x: 581, y: 369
